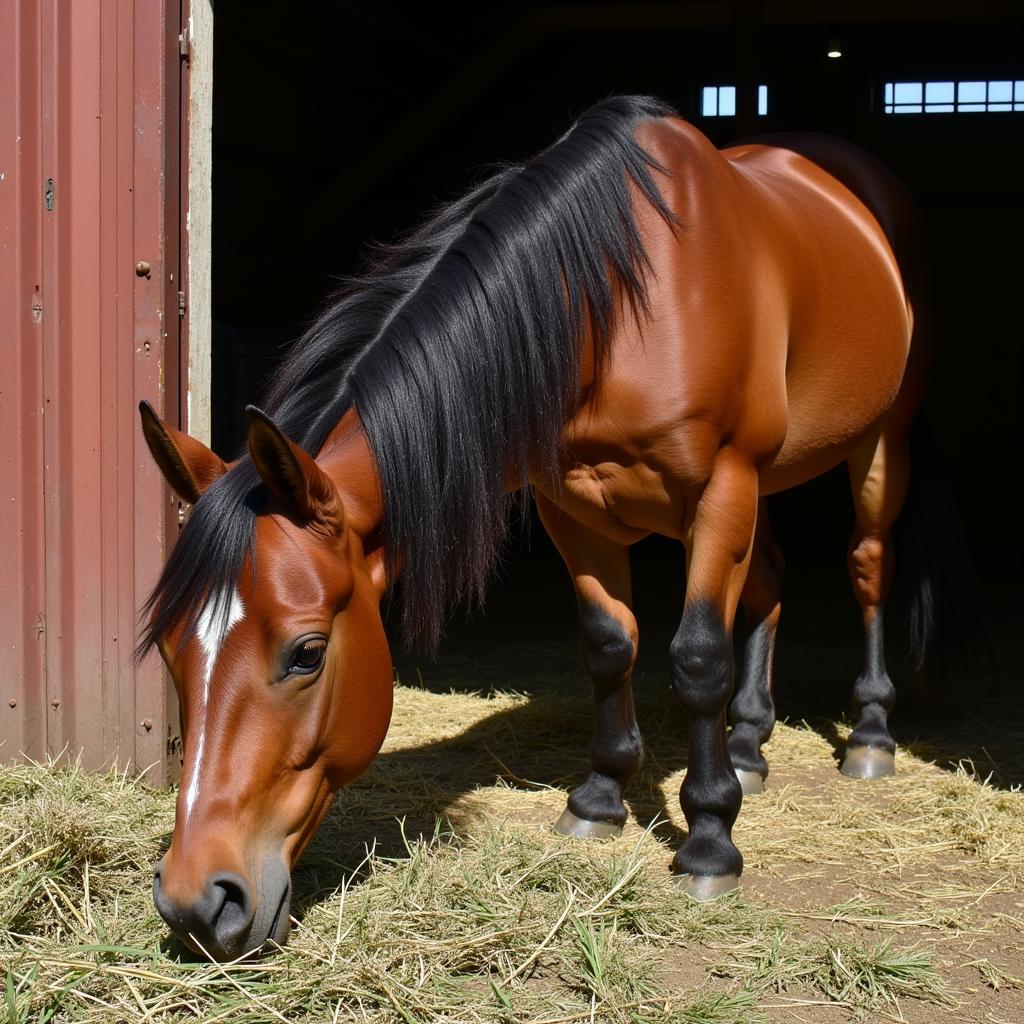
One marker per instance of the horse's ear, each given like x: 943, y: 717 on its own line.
x: 187, y: 464
x: 292, y: 475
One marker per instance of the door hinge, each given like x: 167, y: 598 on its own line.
x: 185, y: 45
x: 181, y: 304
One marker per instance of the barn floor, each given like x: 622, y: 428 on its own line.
x: 899, y: 899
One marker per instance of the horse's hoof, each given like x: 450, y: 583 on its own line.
x: 708, y: 887
x: 750, y: 782
x: 868, y: 763
x: 579, y: 828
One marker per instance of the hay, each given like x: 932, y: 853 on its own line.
x: 897, y: 899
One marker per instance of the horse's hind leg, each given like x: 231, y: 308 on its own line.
x: 879, y: 475
x: 601, y: 574
x: 752, y: 711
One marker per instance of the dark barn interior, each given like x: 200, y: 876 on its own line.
x: 340, y: 123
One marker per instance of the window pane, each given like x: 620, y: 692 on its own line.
x: 1000, y: 106
x: 727, y: 101
x: 939, y: 108
x: 909, y: 108
x: 762, y: 100
x: 1018, y: 92
x: 908, y: 92
x: 971, y: 92
x: 938, y: 92
x: 1000, y: 92
x: 888, y: 93
x: 709, y: 105
x: 967, y: 108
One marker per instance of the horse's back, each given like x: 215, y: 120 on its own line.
x: 870, y: 180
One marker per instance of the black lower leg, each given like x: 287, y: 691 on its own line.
x: 752, y: 711
x: 616, y: 752
x: 873, y: 692
x: 702, y: 679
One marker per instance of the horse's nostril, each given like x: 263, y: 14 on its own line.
x: 232, y: 909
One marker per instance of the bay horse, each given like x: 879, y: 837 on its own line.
x: 650, y: 334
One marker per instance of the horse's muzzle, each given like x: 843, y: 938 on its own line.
x: 229, y: 920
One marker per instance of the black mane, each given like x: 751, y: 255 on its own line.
x: 460, y: 350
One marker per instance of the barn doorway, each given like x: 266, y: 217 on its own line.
x: 339, y: 124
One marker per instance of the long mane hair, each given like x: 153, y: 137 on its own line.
x: 460, y: 349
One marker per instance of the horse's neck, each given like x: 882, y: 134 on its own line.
x: 347, y: 458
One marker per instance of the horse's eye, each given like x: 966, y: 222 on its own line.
x: 308, y: 656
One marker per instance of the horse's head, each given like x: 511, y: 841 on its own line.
x: 283, y: 677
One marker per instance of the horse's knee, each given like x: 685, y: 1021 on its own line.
x: 609, y: 648
x: 701, y: 658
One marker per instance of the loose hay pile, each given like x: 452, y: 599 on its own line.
x: 894, y: 900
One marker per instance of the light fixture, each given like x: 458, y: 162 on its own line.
x: 835, y: 49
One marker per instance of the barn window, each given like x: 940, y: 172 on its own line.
x: 953, y: 97
x: 720, y: 100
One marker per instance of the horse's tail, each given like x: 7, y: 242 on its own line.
x: 935, y: 576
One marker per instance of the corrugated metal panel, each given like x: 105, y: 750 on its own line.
x: 22, y: 188
x: 88, y: 164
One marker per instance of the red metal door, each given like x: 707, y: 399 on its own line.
x: 89, y: 324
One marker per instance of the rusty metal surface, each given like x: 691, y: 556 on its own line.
x: 89, y: 189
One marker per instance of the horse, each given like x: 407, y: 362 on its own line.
x: 648, y: 334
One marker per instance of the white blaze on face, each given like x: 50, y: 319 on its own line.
x: 218, y: 616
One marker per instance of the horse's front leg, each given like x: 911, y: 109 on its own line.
x: 601, y: 574
x: 719, y: 544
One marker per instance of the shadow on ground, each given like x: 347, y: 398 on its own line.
x: 526, y: 644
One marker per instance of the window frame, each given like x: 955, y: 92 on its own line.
x: 703, y: 92
x: 916, y: 102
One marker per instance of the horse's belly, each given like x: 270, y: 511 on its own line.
x: 803, y: 462
x: 834, y: 403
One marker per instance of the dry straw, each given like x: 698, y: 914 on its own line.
x: 894, y: 900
